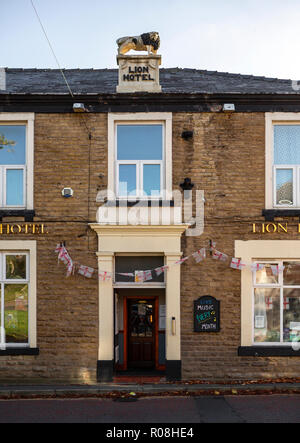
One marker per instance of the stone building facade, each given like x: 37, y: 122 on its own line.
x: 81, y: 329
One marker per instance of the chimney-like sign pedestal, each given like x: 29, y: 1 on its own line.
x: 138, y: 73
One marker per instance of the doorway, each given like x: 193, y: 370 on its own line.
x: 141, y: 333
x: 141, y: 342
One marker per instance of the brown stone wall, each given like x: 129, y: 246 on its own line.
x: 225, y: 158
x: 67, y: 308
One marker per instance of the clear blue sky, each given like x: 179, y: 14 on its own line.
x: 260, y: 37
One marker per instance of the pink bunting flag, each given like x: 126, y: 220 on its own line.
x: 70, y: 268
x: 66, y: 259
x: 237, y: 264
x: 147, y: 275
x: 58, y: 248
x: 257, y: 266
x: 276, y: 269
x: 179, y: 262
x: 126, y: 274
x: 104, y: 276
x: 64, y: 256
x: 199, y: 255
x: 141, y: 276
x: 217, y: 255
x: 86, y: 271
x: 213, y: 246
x: 161, y: 269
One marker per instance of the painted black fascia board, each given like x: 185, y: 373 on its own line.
x: 270, y: 214
x: 103, y: 103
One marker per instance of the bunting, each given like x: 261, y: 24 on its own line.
x: 199, y: 255
x: 217, y: 255
x: 147, y: 275
x: 276, y: 268
x: 161, y: 269
x: 237, y: 264
x: 104, y: 276
x: 86, y: 271
x: 257, y: 267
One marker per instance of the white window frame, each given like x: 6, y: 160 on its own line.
x: 3, y: 169
x: 165, y: 119
x: 260, y: 251
x: 28, y: 248
x: 296, y: 199
x: 281, y: 286
x: 27, y: 120
x: 272, y: 119
x: 131, y: 284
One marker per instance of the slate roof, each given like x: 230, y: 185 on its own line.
x: 173, y: 81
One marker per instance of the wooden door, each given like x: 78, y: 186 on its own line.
x: 141, y: 325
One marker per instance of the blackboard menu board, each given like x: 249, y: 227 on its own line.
x: 206, y: 314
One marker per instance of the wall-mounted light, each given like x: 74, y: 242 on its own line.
x: 79, y: 107
x: 228, y: 107
x: 187, y: 185
x: 187, y: 135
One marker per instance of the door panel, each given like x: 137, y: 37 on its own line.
x: 141, y: 333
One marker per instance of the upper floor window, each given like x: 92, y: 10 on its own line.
x: 140, y: 160
x: 16, y: 160
x: 286, y: 165
x: 12, y: 165
x: 140, y: 155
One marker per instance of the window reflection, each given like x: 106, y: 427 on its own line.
x: 267, y: 275
x: 141, y: 319
x: 267, y: 315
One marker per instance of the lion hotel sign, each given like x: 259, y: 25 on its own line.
x: 138, y: 73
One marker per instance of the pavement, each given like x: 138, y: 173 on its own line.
x: 130, y: 390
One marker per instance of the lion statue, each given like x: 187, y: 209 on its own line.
x: 149, y: 41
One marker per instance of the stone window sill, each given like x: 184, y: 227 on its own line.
x: 267, y: 351
x: 20, y: 351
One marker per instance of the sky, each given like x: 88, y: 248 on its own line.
x: 258, y: 37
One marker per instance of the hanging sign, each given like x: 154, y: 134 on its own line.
x: 206, y: 314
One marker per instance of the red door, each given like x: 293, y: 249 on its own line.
x: 141, y: 333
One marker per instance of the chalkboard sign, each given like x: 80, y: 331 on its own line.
x: 206, y: 314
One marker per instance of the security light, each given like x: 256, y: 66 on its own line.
x: 79, y: 107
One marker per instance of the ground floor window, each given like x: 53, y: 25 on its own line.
x: 14, y: 280
x: 17, y: 294
x: 276, y: 295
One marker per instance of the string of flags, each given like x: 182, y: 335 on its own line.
x: 142, y: 276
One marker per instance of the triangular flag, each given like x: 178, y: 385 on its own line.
x: 86, y: 271
x: 161, y: 269
x: 199, y: 255
x: 104, y: 276
x: 217, y: 255
x: 182, y: 260
x: 237, y: 264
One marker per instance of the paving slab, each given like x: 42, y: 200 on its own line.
x: 104, y: 389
